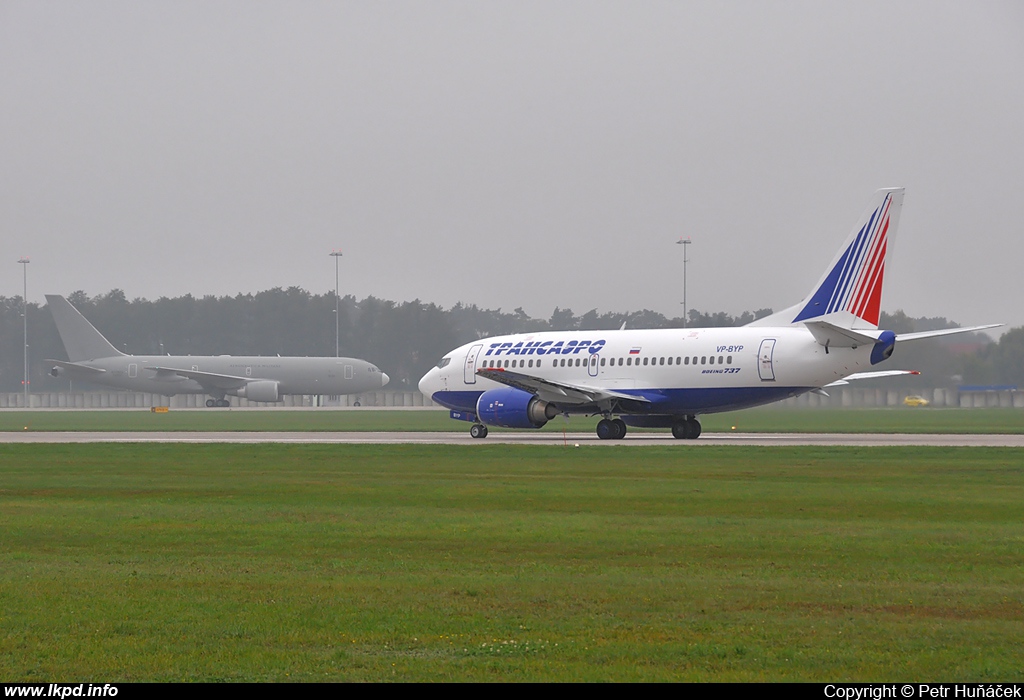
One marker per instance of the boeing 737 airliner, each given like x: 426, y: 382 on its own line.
x: 668, y: 377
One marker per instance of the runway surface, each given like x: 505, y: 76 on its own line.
x: 522, y: 438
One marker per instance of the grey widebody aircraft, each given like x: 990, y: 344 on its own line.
x: 94, y: 360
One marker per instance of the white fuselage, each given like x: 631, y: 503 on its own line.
x: 678, y: 371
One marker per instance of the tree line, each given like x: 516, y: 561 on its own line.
x: 406, y: 338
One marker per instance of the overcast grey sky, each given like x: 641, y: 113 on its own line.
x: 533, y: 154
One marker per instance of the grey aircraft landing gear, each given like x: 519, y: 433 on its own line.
x: 217, y: 403
x: 686, y: 429
x: 478, y: 431
x: 609, y: 429
x: 210, y: 403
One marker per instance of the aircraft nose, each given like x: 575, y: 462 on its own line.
x: 425, y: 383
x: 384, y: 379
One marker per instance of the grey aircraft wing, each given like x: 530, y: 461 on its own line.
x: 212, y: 382
x: 557, y: 392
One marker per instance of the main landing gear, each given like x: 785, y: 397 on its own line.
x: 686, y: 429
x: 478, y: 431
x: 611, y: 429
x: 217, y: 403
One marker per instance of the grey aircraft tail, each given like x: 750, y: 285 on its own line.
x: 81, y: 340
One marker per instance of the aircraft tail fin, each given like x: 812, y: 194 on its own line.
x: 849, y: 294
x: 81, y: 340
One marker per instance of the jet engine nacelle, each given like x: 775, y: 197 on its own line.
x: 513, y: 408
x: 261, y: 390
x: 57, y: 372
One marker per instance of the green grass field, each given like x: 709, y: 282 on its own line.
x: 353, y: 563
x: 776, y: 420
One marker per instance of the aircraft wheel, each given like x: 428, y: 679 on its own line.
x: 210, y: 403
x: 223, y: 403
x: 680, y: 431
x: 478, y: 431
x: 606, y: 429
x: 694, y: 428
x: 621, y: 426
x: 356, y: 403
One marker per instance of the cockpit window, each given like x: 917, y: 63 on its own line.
x: 444, y: 362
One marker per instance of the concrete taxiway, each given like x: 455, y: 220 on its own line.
x: 521, y: 438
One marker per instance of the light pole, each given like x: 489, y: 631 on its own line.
x: 684, y: 242
x: 24, y: 315
x: 336, y: 254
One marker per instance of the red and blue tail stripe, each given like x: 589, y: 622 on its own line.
x: 854, y: 283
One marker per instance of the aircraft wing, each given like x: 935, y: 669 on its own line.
x: 871, y: 375
x: 944, y: 331
x: 207, y: 380
x: 556, y: 392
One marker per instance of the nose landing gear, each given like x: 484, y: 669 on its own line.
x: 478, y: 431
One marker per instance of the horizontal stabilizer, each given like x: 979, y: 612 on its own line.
x: 831, y: 335
x: 872, y: 375
x: 81, y: 371
x: 944, y: 331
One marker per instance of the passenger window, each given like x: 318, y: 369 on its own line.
x: 678, y: 360
x: 629, y: 361
x: 728, y: 360
x: 620, y: 362
x: 704, y: 359
x: 661, y: 361
x: 645, y: 362
x: 686, y: 359
x: 670, y: 360
x: 721, y: 359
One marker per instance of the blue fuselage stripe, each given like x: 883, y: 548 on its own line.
x: 662, y: 401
